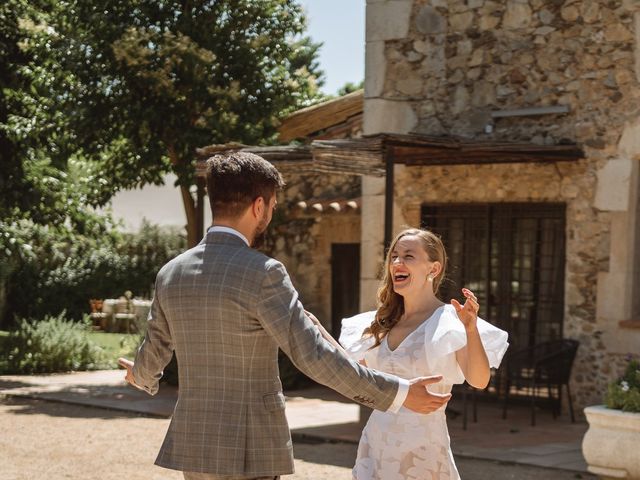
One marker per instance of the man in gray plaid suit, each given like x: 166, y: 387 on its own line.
x: 224, y: 309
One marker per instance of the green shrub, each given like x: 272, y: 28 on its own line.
x: 54, y: 269
x: 50, y: 345
x: 624, y: 394
x: 115, y: 345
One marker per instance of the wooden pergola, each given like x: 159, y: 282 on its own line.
x: 376, y: 155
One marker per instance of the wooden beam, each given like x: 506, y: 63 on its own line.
x: 317, y: 118
x: 361, y: 156
x: 365, y: 156
x: 483, y: 154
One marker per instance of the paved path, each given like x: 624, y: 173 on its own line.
x: 320, y: 414
x: 44, y: 440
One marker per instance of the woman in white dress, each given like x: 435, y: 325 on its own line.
x: 414, y: 334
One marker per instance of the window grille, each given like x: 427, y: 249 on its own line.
x: 512, y: 256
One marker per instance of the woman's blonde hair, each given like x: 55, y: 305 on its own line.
x: 390, y: 304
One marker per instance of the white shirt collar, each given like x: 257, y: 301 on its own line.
x: 232, y: 231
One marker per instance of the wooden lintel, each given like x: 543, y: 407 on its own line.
x: 630, y: 323
x: 427, y: 155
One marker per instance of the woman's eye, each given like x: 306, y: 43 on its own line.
x: 408, y: 256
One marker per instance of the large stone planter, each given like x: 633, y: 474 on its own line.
x: 611, y: 446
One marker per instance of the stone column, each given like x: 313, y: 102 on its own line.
x: 385, y: 20
x: 617, y: 192
x: 372, y: 238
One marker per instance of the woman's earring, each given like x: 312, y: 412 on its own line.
x: 430, y: 278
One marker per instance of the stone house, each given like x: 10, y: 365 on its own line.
x: 511, y: 128
x: 549, y: 241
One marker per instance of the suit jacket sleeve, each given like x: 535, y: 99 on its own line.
x: 282, y: 316
x: 156, y: 350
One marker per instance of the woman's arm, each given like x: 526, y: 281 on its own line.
x: 326, y: 335
x: 472, y: 358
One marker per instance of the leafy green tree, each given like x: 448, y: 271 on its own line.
x: 350, y: 87
x: 131, y: 88
x: 41, y: 178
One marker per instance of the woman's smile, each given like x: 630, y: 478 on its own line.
x: 401, y: 279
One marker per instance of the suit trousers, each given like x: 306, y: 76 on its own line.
x: 213, y: 476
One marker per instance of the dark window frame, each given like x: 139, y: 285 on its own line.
x: 513, y: 256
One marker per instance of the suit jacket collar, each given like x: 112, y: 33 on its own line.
x: 225, y: 229
x: 224, y: 238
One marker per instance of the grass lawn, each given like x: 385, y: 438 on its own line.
x: 116, y: 345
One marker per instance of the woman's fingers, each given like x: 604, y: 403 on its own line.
x: 472, y: 301
x: 456, y: 304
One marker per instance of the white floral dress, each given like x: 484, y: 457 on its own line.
x: 407, y: 445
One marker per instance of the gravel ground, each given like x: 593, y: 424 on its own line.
x: 45, y: 440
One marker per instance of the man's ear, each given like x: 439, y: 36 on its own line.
x: 257, y: 207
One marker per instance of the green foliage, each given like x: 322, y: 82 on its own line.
x: 624, y: 394
x: 53, y: 344
x: 56, y: 269
x: 97, y: 96
x: 3, y: 336
x: 350, y: 87
x: 115, y: 345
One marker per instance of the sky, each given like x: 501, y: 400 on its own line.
x: 339, y: 25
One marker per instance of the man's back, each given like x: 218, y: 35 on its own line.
x: 230, y: 413
x: 225, y: 309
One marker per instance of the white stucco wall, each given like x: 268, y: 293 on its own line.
x: 160, y: 205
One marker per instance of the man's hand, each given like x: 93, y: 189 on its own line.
x: 128, y: 365
x: 421, y: 400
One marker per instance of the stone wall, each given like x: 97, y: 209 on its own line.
x: 453, y: 62
x: 441, y: 67
x: 588, y: 237
x: 302, y: 240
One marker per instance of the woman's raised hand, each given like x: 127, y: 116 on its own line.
x: 467, y: 313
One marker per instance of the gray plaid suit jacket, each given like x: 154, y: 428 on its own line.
x: 225, y: 309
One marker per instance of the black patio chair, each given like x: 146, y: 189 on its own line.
x: 546, y: 364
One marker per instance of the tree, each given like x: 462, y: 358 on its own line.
x: 350, y: 87
x: 137, y: 86
x: 41, y: 179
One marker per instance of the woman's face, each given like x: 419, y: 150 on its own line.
x: 410, y: 266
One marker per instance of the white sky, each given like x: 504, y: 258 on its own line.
x: 339, y: 25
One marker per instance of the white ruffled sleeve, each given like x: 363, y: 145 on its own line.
x: 351, y: 334
x: 449, y: 336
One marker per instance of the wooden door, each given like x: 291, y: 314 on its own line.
x: 345, y: 283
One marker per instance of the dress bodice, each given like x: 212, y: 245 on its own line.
x: 411, y: 358
x: 428, y: 350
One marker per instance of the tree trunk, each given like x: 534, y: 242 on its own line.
x: 190, y: 209
x: 193, y: 207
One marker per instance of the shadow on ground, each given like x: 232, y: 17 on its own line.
x: 12, y: 384
x: 325, y: 453
x: 30, y: 406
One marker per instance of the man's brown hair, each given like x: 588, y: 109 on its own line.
x: 235, y: 180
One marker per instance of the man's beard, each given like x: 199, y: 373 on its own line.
x: 261, y: 232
